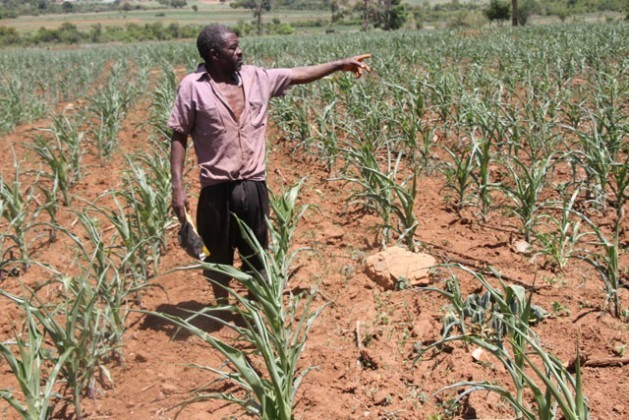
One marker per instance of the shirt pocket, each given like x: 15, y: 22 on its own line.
x: 209, y: 120
x: 257, y: 112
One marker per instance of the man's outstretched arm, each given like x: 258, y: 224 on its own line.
x: 178, y: 145
x: 307, y: 74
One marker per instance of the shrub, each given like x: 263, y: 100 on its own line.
x: 498, y: 10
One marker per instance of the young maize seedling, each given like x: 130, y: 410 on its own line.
x: 276, y: 329
x: 327, y: 137
x: 620, y: 188
x: 606, y: 263
x: 116, y: 288
x: 292, y: 117
x: 559, y: 245
x: 133, y: 250
x: 163, y: 95
x: 459, y: 175
x: 16, y: 107
x: 509, y: 316
x: 77, y: 328
x: 484, y: 157
x: 529, y: 181
x: 36, y: 382
x: 443, y: 95
x: 21, y: 211
x: 109, y: 106
x: 410, y: 99
x: 148, y: 197
x: 284, y: 220
x: 604, y: 159
x: 55, y: 158
x: 382, y: 193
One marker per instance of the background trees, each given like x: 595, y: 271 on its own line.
x: 258, y: 7
x: 498, y: 10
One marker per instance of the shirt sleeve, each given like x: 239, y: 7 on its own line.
x: 279, y: 81
x: 182, y: 115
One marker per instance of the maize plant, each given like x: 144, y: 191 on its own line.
x: 410, y: 99
x: 459, y: 175
x: 560, y: 243
x: 528, y: 182
x: 61, y: 155
x: 109, y: 107
x: 484, y: 157
x: 500, y: 322
x: 36, y: 379
x: 606, y: 263
x: 285, y: 218
x: 382, y: 193
x: 328, y: 142
x: 79, y: 331
x: 163, y: 96
x: 292, y: 118
x: 130, y: 244
x: 17, y: 107
x: 21, y: 212
x: 147, y: 194
x: 620, y: 187
x: 275, y: 328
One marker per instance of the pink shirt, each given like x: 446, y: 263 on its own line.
x: 227, y: 149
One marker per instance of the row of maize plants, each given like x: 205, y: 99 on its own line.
x: 63, y: 350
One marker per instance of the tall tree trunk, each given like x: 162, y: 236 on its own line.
x: 261, y: 5
x: 514, y: 12
x: 366, y: 16
x: 386, y: 24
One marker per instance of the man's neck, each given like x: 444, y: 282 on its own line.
x: 222, y: 76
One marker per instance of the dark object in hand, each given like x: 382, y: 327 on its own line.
x: 191, y: 242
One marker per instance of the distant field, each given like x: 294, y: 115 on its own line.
x: 208, y: 12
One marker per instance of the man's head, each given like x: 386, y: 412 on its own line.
x: 219, y: 43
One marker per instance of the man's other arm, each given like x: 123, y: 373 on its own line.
x: 178, y: 145
x: 307, y: 74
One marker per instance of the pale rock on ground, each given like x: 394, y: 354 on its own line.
x: 396, y: 264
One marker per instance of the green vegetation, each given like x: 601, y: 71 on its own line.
x: 500, y: 321
x: 68, y: 33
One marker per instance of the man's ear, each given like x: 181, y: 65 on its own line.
x: 214, y: 54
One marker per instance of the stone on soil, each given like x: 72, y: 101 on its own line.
x: 381, y: 398
x: 388, y: 267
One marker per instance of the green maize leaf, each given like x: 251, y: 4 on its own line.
x: 6, y: 395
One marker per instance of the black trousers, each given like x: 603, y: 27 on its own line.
x: 247, y: 200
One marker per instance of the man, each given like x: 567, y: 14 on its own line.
x: 223, y: 106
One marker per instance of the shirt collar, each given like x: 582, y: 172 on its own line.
x: 202, y: 73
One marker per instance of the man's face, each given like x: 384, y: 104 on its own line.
x: 229, y: 55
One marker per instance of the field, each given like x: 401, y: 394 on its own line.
x: 502, y: 153
x: 208, y: 12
